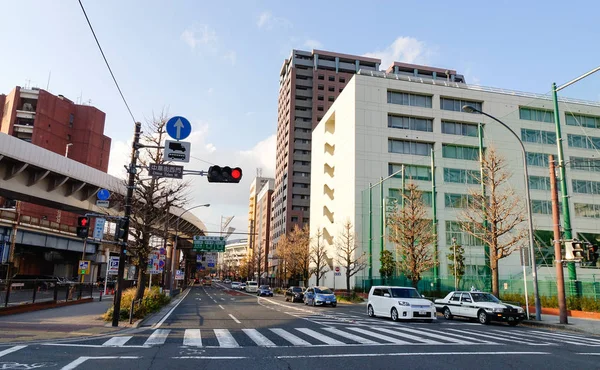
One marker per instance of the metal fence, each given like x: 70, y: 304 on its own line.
x: 19, y: 292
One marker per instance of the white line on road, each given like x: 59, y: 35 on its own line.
x: 208, y: 358
x: 258, y: 338
x: 225, y: 338
x: 350, y: 336
x: 170, y: 312
x: 589, y: 353
x: 321, y: 337
x: 234, y: 319
x: 84, y: 345
x: 158, y: 337
x: 116, y: 341
x: 11, y: 350
x: 290, y: 337
x: 379, y: 336
x: 192, y: 337
x: 222, y: 307
x: 415, y: 354
x: 83, y: 359
x: 222, y: 299
x: 405, y: 335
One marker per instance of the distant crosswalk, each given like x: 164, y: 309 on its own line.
x: 343, y: 336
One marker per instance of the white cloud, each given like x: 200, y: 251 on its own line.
x: 230, y: 56
x: 404, y: 49
x: 200, y: 36
x: 313, y: 44
x: 267, y: 21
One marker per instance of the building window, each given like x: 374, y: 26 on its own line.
x: 542, y: 207
x: 534, y: 114
x: 321, y: 87
x: 454, y: 230
x: 586, y: 187
x: 457, y: 104
x: 69, y: 139
x: 332, y: 78
x: 411, y: 123
x: 538, y: 136
x: 320, y: 97
x: 413, y: 100
x: 460, y: 152
x: 301, y: 174
x: 395, y: 197
x: 294, y: 219
x: 319, y: 118
x: 461, y: 176
x: 305, y: 220
x: 321, y: 77
x: 537, y: 159
x: 410, y: 171
x: 331, y: 88
x: 342, y: 79
x: 71, y: 119
x: 341, y: 88
x: 459, y: 128
x: 331, y: 98
x: 457, y: 200
x: 320, y: 108
x: 587, y: 210
x: 584, y: 142
x: 539, y: 183
x: 585, y: 164
x: 409, y: 147
x: 581, y: 120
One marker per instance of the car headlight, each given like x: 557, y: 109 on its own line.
x: 499, y: 310
x: 403, y: 303
x: 520, y: 310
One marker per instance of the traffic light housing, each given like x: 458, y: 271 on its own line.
x: 574, y: 250
x: 592, y: 253
x: 224, y: 174
x: 83, y: 227
x: 121, y: 229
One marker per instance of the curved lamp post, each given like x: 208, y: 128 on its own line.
x: 538, y: 308
x: 172, y: 280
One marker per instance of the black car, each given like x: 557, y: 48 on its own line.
x: 295, y: 294
x: 264, y: 290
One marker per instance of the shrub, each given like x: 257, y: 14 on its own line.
x: 353, y: 297
x: 153, y: 300
x: 588, y: 304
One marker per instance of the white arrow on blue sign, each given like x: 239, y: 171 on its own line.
x: 179, y: 128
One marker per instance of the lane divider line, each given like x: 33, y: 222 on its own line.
x: 11, y: 350
x: 171, y: 311
x: 234, y: 319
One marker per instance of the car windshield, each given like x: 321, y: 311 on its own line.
x: 405, y: 293
x: 323, y: 291
x: 266, y: 287
x: 484, y: 297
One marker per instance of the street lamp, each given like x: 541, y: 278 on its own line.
x: 172, y: 279
x: 538, y: 308
x: 455, y: 277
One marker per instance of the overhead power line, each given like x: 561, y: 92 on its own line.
x: 106, y: 61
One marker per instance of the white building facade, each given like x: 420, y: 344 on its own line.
x: 383, y: 121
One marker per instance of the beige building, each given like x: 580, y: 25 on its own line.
x: 382, y: 121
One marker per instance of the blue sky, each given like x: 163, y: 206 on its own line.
x: 218, y: 65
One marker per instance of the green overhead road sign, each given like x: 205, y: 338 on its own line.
x: 209, y: 243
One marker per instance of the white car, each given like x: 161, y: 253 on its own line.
x: 399, y: 303
x: 251, y: 287
x: 485, y: 307
x: 235, y: 285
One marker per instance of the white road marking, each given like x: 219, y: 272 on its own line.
x: 81, y: 360
x: 350, y: 336
x: 225, y: 338
x: 321, y: 337
x: 379, y: 336
x: 116, y: 341
x: 171, y: 311
x: 408, y: 336
x: 415, y: 354
x: 258, y: 338
x: 498, y: 337
x: 192, y: 337
x: 234, y: 319
x: 222, y: 307
x: 527, y: 338
x: 84, y: 345
x: 290, y: 337
x: 158, y: 337
x: 208, y: 358
x: 589, y: 353
x: 222, y: 299
x: 574, y: 337
x: 437, y: 336
x: 11, y: 350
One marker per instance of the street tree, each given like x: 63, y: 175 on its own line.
x: 299, y: 243
x: 318, y: 257
x: 495, y: 218
x: 347, y: 253
x: 457, y: 256
x: 282, y: 256
x: 412, y: 236
x: 388, y: 265
x: 259, y: 256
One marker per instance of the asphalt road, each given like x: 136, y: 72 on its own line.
x: 215, y: 328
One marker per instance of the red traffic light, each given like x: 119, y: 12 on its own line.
x: 236, y: 173
x: 83, y: 221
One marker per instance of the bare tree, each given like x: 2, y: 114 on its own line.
x: 318, y: 257
x: 501, y: 210
x: 259, y: 255
x: 347, y: 255
x: 411, y: 234
x: 299, y: 248
x: 282, y: 255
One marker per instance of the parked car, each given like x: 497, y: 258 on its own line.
x: 226, y: 281
x: 485, y: 307
x: 264, y: 290
x: 295, y: 294
x: 320, y: 295
x: 242, y: 286
x: 235, y: 285
x: 399, y: 303
x: 251, y: 287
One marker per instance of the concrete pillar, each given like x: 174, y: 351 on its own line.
x: 416, y: 72
x: 337, y: 64
x: 434, y: 75
x: 396, y: 69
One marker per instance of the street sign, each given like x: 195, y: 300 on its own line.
x: 209, y: 243
x: 165, y: 170
x: 156, y: 262
x: 337, y: 268
x: 102, y: 203
x: 103, y: 194
x: 4, y: 250
x: 84, y: 267
x: 179, y: 128
x: 177, y: 151
x: 178, y: 275
x: 113, y: 266
x: 338, y: 274
x: 99, y: 228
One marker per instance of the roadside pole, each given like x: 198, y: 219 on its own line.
x: 83, y: 257
x: 560, y: 278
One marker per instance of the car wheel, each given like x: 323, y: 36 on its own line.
x: 370, y: 311
x: 513, y: 323
x: 447, y: 314
x: 394, y: 314
x: 314, y: 303
x: 482, y: 317
x: 333, y: 304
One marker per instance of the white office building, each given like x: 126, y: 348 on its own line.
x: 384, y: 120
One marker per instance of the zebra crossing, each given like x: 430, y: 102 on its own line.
x: 338, y: 336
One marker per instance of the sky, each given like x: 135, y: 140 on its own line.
x: 218, y: 63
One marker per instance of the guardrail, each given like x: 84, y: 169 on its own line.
x: 22, y: 292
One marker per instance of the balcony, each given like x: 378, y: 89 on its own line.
x: 307, y: 93
x: 304, y: 103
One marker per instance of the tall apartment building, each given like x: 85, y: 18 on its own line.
x: 59, y: 125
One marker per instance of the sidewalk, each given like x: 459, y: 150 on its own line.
x: 58, y: 323
x: 587, y: 326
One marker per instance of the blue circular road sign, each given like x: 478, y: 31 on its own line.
x: 103, y: 194
x: 179, y: 128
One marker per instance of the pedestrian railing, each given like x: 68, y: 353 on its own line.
x: 28, y: 291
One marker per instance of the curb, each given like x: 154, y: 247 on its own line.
x: 555, y: 326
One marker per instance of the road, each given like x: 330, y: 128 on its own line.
x: 216, y: 328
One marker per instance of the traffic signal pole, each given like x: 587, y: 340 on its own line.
x: 130, y: 187
x: 560, y: 278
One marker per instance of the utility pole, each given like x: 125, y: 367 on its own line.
x: 128, y: 199
x: 436, y: 277
x: 486, y: 247
x: 560, y: 279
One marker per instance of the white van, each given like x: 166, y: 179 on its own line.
x: 400, y: 303
x: 251, y: 286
